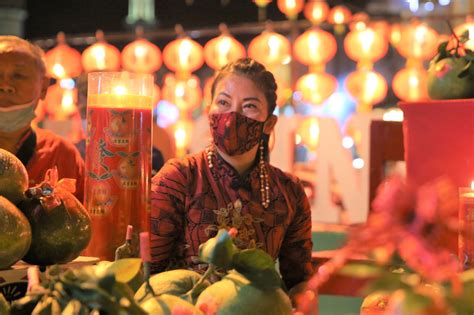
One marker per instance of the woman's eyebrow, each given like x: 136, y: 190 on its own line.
x: 225, y: 94
x: 252, y: 99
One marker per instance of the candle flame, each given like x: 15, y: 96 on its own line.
x: 472, y: 185
x: 58, y: 70
x: 120, y: 90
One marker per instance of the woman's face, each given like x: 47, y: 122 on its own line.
x: 236, y: 93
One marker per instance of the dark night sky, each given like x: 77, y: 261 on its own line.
x: 47, y: 17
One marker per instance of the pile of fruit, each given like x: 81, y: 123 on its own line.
x: 43, y: 225
x: 249, y: 285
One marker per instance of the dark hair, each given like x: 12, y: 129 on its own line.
x: 254, y: 71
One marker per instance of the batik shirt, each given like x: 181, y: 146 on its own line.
x: 191, y: 202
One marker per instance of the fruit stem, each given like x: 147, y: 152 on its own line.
x: 204, y: 277
x: 458, y: 42
x: 149, y: 288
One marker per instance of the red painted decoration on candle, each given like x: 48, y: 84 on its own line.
x: 145, y: 247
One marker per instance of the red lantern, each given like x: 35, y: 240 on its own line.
x: 468, y: 26
x: 283, y: 91
x: 395, y: 34
x: 141, y: 56
x: 382, y: 28
x: 418, y: 41
x: 156, y: 95
x: 339, y: 15
x: 60, y: 102
x: 186, y: 94
x: 359, y: 21
x: 316, y: 11
x: 314, y: 47
x: 101, y: 56
x: 365, y: 45
x: 410, y: 84
x: 63, y: 61
x: 270, y: 48
x: 315, y: 88
x: 183, y: 55
x: 290, y: 8
x: 308, y: 130
x: 221, y: 50
x: 367, y: 87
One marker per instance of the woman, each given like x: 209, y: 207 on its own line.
x: 231, y: 184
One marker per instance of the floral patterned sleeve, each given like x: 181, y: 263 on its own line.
x: 295, y: 252
x: 168, y: 191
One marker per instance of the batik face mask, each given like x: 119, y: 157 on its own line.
x: 16, y: 117
x: 234, y: 133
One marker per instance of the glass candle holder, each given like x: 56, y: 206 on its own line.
x: 466, y: 217
x: 118, y: 158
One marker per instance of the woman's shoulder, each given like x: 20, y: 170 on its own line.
x: 183, y: 166
x: 285, y: 177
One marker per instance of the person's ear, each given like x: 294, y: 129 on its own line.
x: 44, y: 87
x: 270, y: 124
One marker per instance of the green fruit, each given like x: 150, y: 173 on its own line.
x: 443, y: 80
x: 13, y: 177
x: 235, y: 294
x: 175, y: 282
x: 169, y: 305
x: 15, y: 234
x: 59, y: 233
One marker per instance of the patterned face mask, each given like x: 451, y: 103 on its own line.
x: 234, y: 133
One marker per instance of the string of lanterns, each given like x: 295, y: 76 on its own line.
x: 365, y: 43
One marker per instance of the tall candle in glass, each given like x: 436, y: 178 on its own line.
x: 466, y: 217
x: 118, y: 158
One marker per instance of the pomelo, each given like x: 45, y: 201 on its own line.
x: 235, y: 294
x: 59, y: 233
x: 13, y: 177
x: 175, y: 282
x: 443, y: 80
x: 167, y: 304
x: 15, y: 234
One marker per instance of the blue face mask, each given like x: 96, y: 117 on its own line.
x: 16, y: 117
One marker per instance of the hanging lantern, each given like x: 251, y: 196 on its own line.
x: 101, y: 56
x: 365, y: 45
x: 186, y: 94
x: 418, y: 41
x: 315, y: 88
x: 262, y: 3
x: 63, y: 61
x: 182, y: 132
x: 468, y: 26
x: 223, y: 49
x: 316, y: 11
x: 270, y: 48
x: 308, y: 132
x: 283, y: 92
x: 290, y: 8
x: 381, y: 27
x: 314, y: 47
x: 359, y: 21
x: 183, y: 55
x: 141, y: 56
x: 367, y: 87
x: 61, y: 100
x: 410, y: 84
x: 207, y: 97
x: 338, y: 16
x: 395, y: 34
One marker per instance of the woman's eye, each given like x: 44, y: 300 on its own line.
x: 250, y: 106
x: 19, y: 76
x: 222, y: 103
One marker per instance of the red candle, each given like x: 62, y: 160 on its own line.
x: 466, y: 217
x: 145, y: 247
x: 33, y: 277
x: 129, y: 232
x: 118, y: 158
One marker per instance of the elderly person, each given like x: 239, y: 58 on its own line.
x: 23, y: 83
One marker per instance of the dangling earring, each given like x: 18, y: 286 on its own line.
x: 209, y: 152
x: 264, y: 185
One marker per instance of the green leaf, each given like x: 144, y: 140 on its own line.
x: 125, y: 296
x: 218, y: 250
x: 414, y: 302
x: 74, y: 307
x: 258, y: 267
x: 389, y: 282
x: 24, y: 305
x: 464, y: 36
x: 107, y: 281
x: 125, y: 269
x: 467, y: 276
x: 361, y: 270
